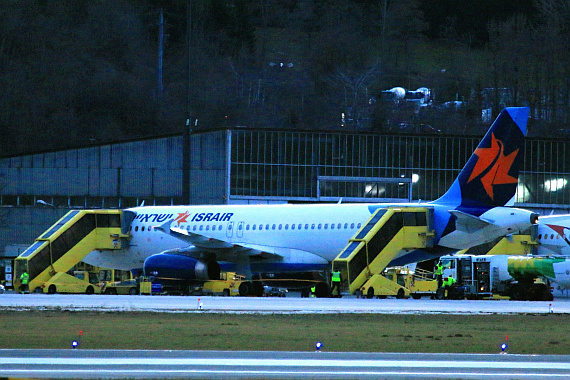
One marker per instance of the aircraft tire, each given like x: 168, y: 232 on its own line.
x: 401, y: 294
x: 133, y: 291
x: 370, y: 293
x: 52, y: 289
x: 226, y: 293
x: 89, y: 290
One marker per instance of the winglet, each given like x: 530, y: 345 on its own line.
x: 165, y: 227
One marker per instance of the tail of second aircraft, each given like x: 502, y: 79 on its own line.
x: 490, y: 177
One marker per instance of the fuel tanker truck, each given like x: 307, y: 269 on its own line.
x: 518, y: 277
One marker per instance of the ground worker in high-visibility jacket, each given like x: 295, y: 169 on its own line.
x: 336, y: 280
x: 439, y: 274
x: 449, y: 281
x: 24, y: 279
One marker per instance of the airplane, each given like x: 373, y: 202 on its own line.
x: 194, y: 242
x: 554, y: 243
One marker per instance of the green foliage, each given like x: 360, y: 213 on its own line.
x: 78, y: 72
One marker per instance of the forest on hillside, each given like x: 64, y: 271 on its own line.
x: 82, y: 72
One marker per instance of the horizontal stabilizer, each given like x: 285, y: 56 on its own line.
x: 467, y: 222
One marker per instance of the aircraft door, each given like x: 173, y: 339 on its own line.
x: 230, y: 229
x: 239, y: 232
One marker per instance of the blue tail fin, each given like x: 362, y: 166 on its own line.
x: 490, y: 177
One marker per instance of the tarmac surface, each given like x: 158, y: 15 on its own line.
x: 135, y: 364
x: 181, y: 304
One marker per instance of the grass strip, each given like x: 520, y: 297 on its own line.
x: 527, y: 334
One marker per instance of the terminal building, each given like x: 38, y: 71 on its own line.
x: 252, y: 166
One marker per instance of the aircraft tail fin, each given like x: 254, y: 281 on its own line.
x: 490, y: 176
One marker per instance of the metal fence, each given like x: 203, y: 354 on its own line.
x: 309, y: 166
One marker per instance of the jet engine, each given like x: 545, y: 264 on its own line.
x: 177, y: 267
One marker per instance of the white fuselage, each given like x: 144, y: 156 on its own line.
x: 314, y: 233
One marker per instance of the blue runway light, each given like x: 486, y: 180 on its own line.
x: 318, y: 346
x: 74, y: 344
x: 504, y: 347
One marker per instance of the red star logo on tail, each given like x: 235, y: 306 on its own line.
x: 496, y: 164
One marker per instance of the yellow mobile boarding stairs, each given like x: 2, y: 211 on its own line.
x: 389, y: 231
x: 65, y: 244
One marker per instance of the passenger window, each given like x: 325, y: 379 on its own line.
x: 345, y: 226
x: 286, y: 226
x: 351, y: 225
x: 267, y: 226
x: 201, y: 227
x: 312, y: 226
x: 194, y: 228
x: 319, y: 226
x: 136, y: 228
x: 207, y: 228
x: 306, y: 226
x: 359, y: 225
x: 332, y: 226
x: 142, y: 229
x: 253, y: 227
x: 292, y: 226
x: 273, y: 227
x: 299, y: 226
x: 280, y: 226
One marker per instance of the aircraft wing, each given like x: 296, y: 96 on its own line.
x: 224, y: 251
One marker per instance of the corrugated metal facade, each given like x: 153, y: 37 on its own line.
x: 141, y: 169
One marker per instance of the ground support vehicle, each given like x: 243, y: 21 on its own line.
x: 60, y: 248
x: 116, y: 281
x: 78, y: 282
x: 479, y: 277
x: 400, y: 282
x: 229, y: 284
x: 388, y: 231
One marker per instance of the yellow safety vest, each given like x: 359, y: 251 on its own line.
x: 439, y: 269
x: 336, y: 277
